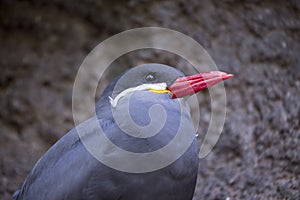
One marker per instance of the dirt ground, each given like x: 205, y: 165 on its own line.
x: 43, y: 43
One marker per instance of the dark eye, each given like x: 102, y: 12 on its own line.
x: 150, y: 77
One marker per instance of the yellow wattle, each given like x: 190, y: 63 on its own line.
x: 159, y: 91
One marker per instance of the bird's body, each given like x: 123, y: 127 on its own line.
x: 69, y: 171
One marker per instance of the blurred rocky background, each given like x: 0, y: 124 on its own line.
x: 43, y: 43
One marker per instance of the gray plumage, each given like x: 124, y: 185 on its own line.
x: 69, y: 171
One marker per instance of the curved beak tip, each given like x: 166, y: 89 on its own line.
x: 227, y: 76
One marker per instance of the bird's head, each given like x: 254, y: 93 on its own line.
x: 159, y: 78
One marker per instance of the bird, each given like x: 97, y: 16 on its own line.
x: 69, y: 171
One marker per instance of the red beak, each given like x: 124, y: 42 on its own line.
x: 189, y: 85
